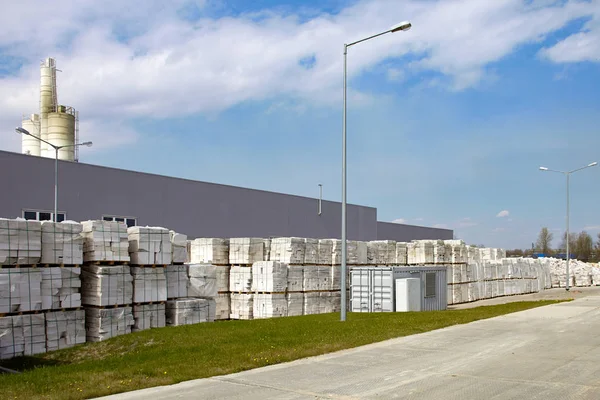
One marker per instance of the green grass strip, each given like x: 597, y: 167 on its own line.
x: 175, y: 354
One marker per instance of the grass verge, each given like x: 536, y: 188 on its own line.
x: 174, y: 354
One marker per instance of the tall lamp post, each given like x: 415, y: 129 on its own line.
x: 403, y: 26
x: 568, y: 175
x: 56, y: 149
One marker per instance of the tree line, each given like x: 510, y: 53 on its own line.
x: 581, y: 246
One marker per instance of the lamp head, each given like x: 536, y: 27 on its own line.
x: 543, y: 169
x: 88, y: 144
x: 402, y: 26
x: 22, y: 131
x: 593, y: 164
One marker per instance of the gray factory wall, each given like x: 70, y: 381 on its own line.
x: 406, y: 233
x: 197, y: 209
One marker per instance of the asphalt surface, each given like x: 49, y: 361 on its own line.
x: 550, y: 352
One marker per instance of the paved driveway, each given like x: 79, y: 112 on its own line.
x: 546, y: 353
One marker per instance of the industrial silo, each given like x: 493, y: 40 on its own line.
x: 61, y: 132
x: 30, y: 145
x: 48, y: 101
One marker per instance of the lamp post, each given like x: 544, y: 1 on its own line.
x: 403, y: 26
x: 56, y: 149
x: 568, y: 175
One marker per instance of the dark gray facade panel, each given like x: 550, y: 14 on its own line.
x: 406, y: 233
x: 197, y: 209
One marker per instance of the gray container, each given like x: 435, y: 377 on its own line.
x: 373, y: 289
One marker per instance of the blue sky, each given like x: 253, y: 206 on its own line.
x: 448, y: 122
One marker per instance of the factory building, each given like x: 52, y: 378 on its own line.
x: 197, y: 209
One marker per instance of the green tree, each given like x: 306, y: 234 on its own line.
x: 572, y: 242
x: 584, y: 246
x: 544, y: 241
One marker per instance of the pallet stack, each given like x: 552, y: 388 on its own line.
x: 243, y: 252
x: 215, y: 251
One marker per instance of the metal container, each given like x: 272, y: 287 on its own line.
x: 373, y: 289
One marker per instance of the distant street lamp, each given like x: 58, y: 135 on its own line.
x: 56, y: 149
x: 403, y: 26
x: 568, y: 175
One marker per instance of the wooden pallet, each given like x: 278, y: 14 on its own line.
x: 108, y: 307
x: 19, y: 313
x: 149, y: 303
x: 106, y: 263
x: 60, y: 265
x: 14, y: 266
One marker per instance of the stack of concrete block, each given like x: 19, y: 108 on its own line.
x: 179, y: 247
x: 357, y: 252
x: 295, y: 278
x: 105, y: 323
x: 20, y: 290
x: 148, y: 316
x: 203, y: 281
x: 62, y: 243
x: 336, y: 277
x: 325, y: 250
x: 106, y: 285
x: 269, y: 277
x: 267, y: 249
x: 20, y: 242
x: 149, y: 284
x: 189, y: 311
x: 295, y: 304
x: 246, y: 250
x: 177, y: 281
x: 317, y: 278
x: 209, y: 250
x: 473, y: 254
x: 65, y: 329
x: 321, y: 302
x: 242, y: 306
x: 222, y: 306
x: 381, y: 252
x: 420, y: 252
x: 240, y: 279
x: 291, y: 250
x: 61, y: 287
x: 22, y: 335
x: 150, y: 245
x: 459, y: 252
x: 270, y: 305
x: 105, y: 241
x: 223, y: 272
x: 311, y: 253
x: 401, y: 253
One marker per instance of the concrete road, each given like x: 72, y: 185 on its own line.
x: 546, y: 353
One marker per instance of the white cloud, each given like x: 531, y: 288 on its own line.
x: 399, y: 221
x: 123, y: 60
x: 503, y: 214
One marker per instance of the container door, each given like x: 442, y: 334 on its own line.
x: 382, y: 299
x: 359, y: 293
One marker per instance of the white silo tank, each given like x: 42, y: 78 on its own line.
x: 61, y: 132
x: 48, y: 101
x: 30, y: 145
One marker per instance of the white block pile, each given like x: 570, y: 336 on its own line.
x: 581, y: 273
x: 106, y: 285
x: 246, y: 250
x: 357, y: 252
x: 223, y: 272
x: 473, y: 254
x: 210, y: 250
x: 177, y: 281
x: 20, y: 290
x: 490, y: 254
x: 148, y: 316
x: 401, y: 253
x: 22, y: 335
x: 325, y: 249
x: 270, y: 306
x: 203, y: 280
x: 321, y: 302
x: 240, y: 279
x: 105, y: 323
x: 317, y: 278
x: 179, y: 247
x: 420, y: 252
x: 311, y: 253
x: 242, y: 306
x: 269, y: 277
x: 20, y: 241
x: 105, y: 241
x: 336, y: 277
x: 291, y: 250
x: 61, y: 287
x: 64, y: 329
x: 223, y: 306
x: 267, y: 249
x: 149, y: 284
x: 62, y: 243
x: 150, y: 245
x: 459, y: 252
x: 381, y: 252
x: 189, y: 311
x: 295, y: 278
x: 295, y: 304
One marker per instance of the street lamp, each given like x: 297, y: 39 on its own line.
x: 403, y: 26
x: 568, y: 175
x: 56, y: 149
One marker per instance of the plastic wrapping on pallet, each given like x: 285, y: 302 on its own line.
x: 295, y: 304
x: 223, y: 272
x: 61, y: 287
x: 150, y: 245
x: 325, y: 252
x: 269, y: 276
x: 177, y: 281
x: 178, y: 247
x: 149, y: 284
x: 210, y: 250
x: 311, y: 253
x: 106, y: 285
x: 148, y: 316
x: 401, y: 257
x: 105, y: 241
x: 20, y: 241
x: 357, y: 252
x: 246, y: 250
x: 317, y: 277
x: 242, y: 306
x: 203, y: 280
x: 62, y: 243
x: 381, y: 252
x: 187, y: 311
x: 269, y: 306
x: 22, y: 335
x: 295, y: 277
x: 20, y: 290
x: 222, y: 306
x: 65, y: 329
x: 240, y: 279
x: 289, y: 250
x: 420, y: 252
x: 104, y: 323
